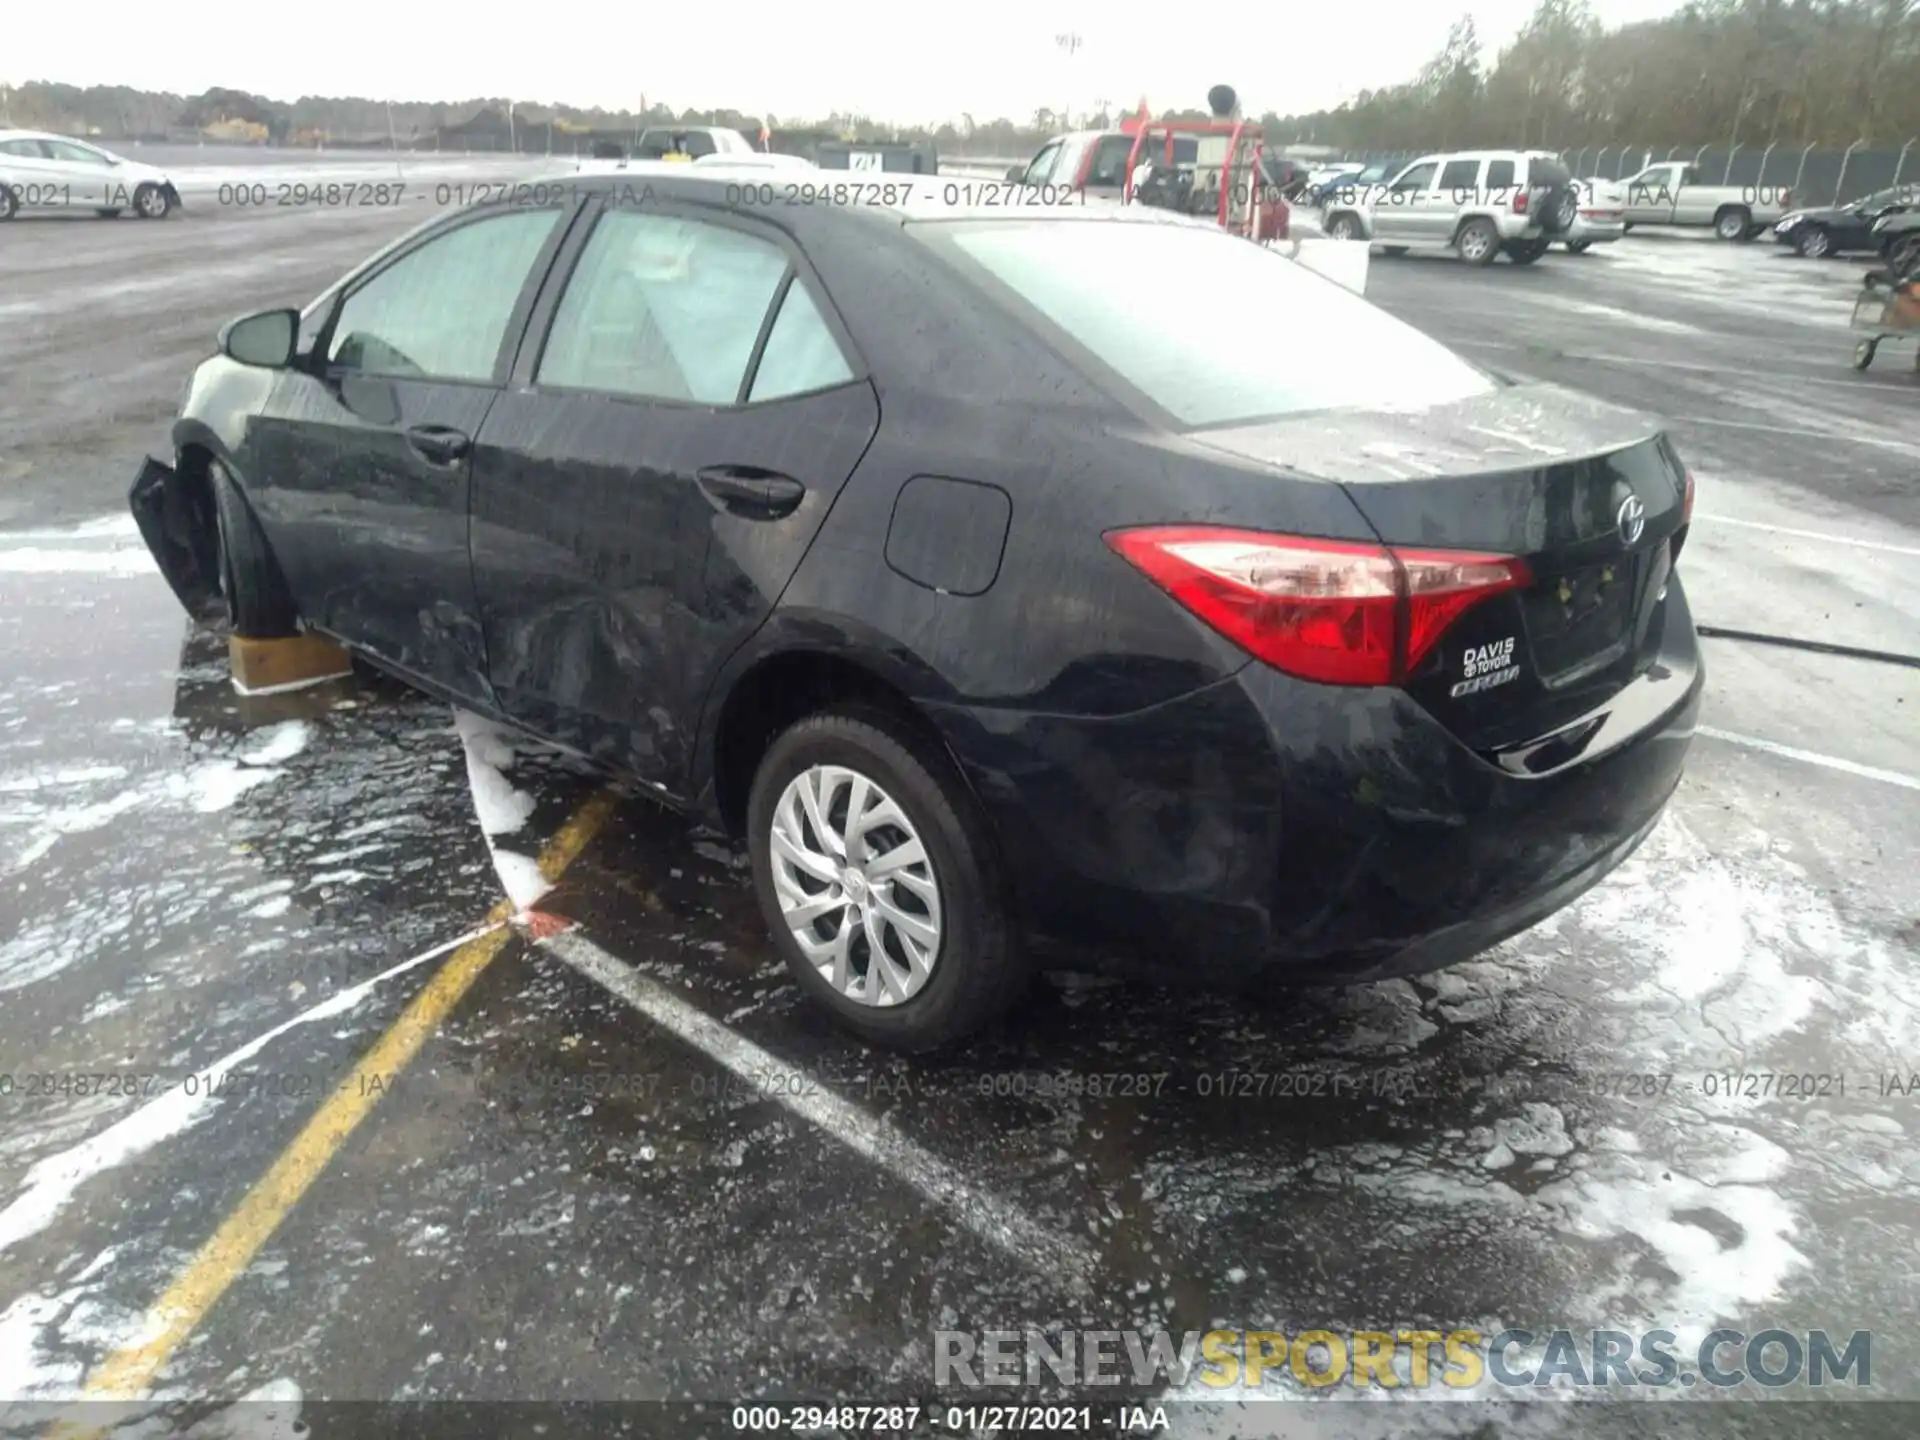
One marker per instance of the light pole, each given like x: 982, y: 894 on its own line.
x: 513, y: 145
x: 1070, y: 43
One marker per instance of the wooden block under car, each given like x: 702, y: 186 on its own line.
x: 269, y: 667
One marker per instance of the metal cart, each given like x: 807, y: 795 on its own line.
x: 1889, y: 313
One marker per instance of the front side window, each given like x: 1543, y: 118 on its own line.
x: 441, y: 311
x: 68, y: 153
x: 1208, y: 364
x: 663, y: 308
x: 1042, y: 166
x: 1110, y: 160
x: 1418, y: 178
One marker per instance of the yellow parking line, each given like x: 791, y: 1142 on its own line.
x: 128, y: 1372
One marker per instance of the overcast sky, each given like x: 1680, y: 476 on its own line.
x: 878, y: 57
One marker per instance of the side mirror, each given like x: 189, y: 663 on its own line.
x: 266, y: 340
x: 1016, y: 173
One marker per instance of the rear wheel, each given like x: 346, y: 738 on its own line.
x: 1525, y: 252
x: 9, y: 203
x: 1578, y: 247
x: 1863, y: 353
x: 1393, y: 249
x: 1734, y: 222
x: 1343, y: 226
x: 259, y: 605
x: 1478, y: 242
x: 879, y: 879
x: 1812, y: 242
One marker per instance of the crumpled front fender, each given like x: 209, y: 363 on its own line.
x: 176, y: 518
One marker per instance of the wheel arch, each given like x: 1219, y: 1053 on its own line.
x: 783, y: 678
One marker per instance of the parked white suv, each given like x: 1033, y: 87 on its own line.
x: 1482, y: 203
x: 39, y: 171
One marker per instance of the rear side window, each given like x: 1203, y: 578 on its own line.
x: 1462, y: 175
x: 1206, y: 364
x: 441, y: 311
x: 1499, y: 175
x: 801, y: 353
x: 663, y: 308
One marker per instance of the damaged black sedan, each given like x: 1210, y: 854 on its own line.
x: 986, y: 594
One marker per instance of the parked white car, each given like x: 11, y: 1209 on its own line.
x: 1602, y: 217
x: 40, y: 171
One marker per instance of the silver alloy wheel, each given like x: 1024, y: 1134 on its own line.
x: 1732, y: 225
x: 152, y: 201
x: 1815, y: 244
x: 856, y: 885
x: 1342, y: 228
x: 1474, y: 242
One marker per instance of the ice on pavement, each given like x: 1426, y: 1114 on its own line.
x: 500, y: 806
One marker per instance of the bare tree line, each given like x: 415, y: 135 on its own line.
x: 1720, y: 72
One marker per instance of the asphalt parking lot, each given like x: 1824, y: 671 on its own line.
x: 286, y: 1112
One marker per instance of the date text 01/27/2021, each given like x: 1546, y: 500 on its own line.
x: 962, y: 1419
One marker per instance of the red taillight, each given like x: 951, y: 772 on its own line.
x: 1519, y: 202
x: 1328, y: 610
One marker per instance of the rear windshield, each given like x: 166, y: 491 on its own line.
x: 1209, y: 328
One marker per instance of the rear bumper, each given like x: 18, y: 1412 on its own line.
x: 1265, y: 828
x: 1596, y: 231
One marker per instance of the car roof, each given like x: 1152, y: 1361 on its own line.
x: 43, y: 135
x: 892, y: 194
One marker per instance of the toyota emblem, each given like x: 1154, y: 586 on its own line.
x: 1632, y: 520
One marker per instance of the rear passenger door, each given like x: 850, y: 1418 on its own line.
x: 1457, y: 190
x: 685, y: 411
x: 1107, y: 175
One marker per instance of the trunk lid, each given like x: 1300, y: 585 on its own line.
x: 1590, y: 495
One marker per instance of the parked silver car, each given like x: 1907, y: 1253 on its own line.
x: 1481, y: 203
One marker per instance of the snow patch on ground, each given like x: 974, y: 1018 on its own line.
x: 500, y: 806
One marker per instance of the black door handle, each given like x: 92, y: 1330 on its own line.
x: 441, y: 444
x: 754, y: 493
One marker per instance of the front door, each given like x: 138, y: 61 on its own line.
x: 1394, y: 210
x: 647, y: 486
x: 360, y: 462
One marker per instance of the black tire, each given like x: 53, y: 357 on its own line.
x: 1478, y: 242
x: 1904, y: 255
x: 9, y: 203
x: 1342, y: 225
x: 1625, y: 226
x: 1863, y: 353
x: 1733, y: 223
x: 979, y: 968
x: 1813, y: 242
x: 1525, y: 252
x: 152, y: 202
x: 259, y: 605
x: 1393, y: 249
x: 1578, y: 247
x: 110, y: 213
